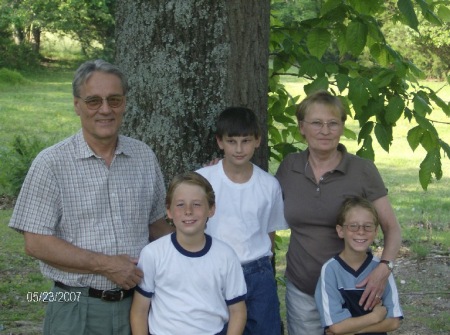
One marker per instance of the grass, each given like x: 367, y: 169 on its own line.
x: 19, y: 274
x: 41, y: 106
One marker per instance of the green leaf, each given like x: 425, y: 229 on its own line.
x: 444, y: 13
x: 383, y: 78
x: 430, y: 165
x: 440, y: 103
x: 428, y: 141
x: 384, y: 136
x: 425, y: 171
x: 366, y: 151
x: 356, y: 37
x: 283, y: 119
x: 318, y: 41
x: 341, y: 81
x: 394, y: 109
x: 379, y: 52
x: 414, y: 136
x: 426, y: 124
x: 350, y: 134
x: 274, y: 134
x: 445, y: 147
x: 365, y: 131
x: 312, y: 67
x: 357, y: 92
x: 421, y: 106
x: 407, y: 9
x: 320, y: 83
x: 329, y: 6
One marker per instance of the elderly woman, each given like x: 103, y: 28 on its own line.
x: 315, y: 183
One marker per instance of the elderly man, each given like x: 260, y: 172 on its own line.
x: 88, y: 206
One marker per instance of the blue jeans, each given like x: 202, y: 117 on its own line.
x: 263, y: 306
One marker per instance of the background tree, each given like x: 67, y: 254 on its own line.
x: 91, y: 23
x: 186, y: 61
x: 325, y: 52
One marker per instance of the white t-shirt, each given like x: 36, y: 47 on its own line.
x: 190, y: 291
x: 245, y: 213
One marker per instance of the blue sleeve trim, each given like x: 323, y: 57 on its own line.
x: 236, y: 300
x: 144, y: 293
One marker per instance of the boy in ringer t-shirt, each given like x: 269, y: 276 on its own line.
x: 193, y: 284
x: 336, y: 294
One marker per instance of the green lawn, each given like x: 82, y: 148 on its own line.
x: 43, y: 108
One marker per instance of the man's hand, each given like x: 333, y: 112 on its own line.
x: 122, y: 270
x: 374, y: 284
x: 212, y: 162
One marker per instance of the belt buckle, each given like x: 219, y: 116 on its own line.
x: 112, y: 295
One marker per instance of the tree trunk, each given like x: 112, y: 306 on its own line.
x: 186, y: 61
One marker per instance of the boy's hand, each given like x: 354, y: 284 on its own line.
x: 380, y: 312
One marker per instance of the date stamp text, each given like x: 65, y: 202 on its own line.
x: 53, y: 296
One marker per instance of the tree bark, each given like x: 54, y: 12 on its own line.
x: 186, y: 61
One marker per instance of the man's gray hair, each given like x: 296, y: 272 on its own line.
x: 86, y: 69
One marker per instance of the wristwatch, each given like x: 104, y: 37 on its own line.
x: 390, y: 264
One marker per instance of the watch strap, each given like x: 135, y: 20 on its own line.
x: 389, y: 264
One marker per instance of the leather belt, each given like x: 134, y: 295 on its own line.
x: 106, y: 295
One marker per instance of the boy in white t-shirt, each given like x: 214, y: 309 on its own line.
x: 249, y: 209
x: 193, y: 283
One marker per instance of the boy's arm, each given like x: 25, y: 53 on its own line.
x: 272, y: 242
x: 139, y: 314
x: 238, y: 318
x: 387, y: 325
x: 356, y: 324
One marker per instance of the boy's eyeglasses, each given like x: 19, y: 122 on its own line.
x: 95, y: 102
x: 318, y: 125
x: 354, y: 227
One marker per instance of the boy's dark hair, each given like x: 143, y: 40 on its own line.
x: 238, y: 121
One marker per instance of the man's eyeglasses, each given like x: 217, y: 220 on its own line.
x: 318, y: 125
x: 95, y: 102
x: 354, y: 227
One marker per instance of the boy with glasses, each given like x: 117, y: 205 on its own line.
x: 336, y: 294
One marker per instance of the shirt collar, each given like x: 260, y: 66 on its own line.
x: 302, y: 161
x: 84, y: 151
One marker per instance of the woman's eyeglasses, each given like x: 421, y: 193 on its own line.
x: 318, y: 125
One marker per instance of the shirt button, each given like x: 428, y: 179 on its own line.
x: 318, y: 189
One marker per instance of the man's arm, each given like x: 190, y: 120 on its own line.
x: 376, y: 282
x: 238, y: 318
x: 159, y: 228
x: 121, y: 269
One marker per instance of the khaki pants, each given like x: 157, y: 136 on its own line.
x: 78, y: 314
x: 302, y: 315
